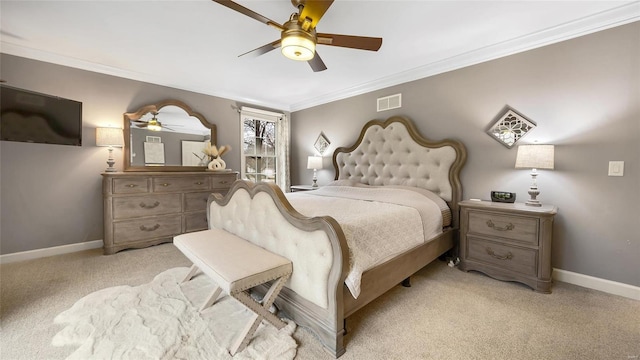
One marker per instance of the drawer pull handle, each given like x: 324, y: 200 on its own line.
x: 494, y: 227
x: 132, y: 185
x: 165, y: 184
x: 508, y: 256
x: 145, y: 206
x: 223, y: 182
x: 199, y: 183
x: 153, y: 228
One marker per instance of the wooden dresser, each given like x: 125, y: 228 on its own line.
x: 509, y: 242
x: 149, y: 208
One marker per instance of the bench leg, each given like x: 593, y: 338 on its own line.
x: 245, y: 336
x: 190, y: 274
x: 261, y: 311
x: 212, y: 298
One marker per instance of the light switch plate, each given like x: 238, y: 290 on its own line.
x: 616, y: 168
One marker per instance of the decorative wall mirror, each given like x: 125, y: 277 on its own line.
x: 167, y: 136
x: 510, y: 126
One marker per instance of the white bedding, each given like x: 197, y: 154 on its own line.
x: 378, y: 222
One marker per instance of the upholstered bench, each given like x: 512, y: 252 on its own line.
x: 236, y: 265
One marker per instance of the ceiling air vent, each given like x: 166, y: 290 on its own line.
x: 389, y: 102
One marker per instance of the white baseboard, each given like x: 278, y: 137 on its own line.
x: 56, y: 250
x: 608, y: 286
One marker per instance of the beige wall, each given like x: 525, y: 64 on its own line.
x: 584, y: 96
x: 51, y: 195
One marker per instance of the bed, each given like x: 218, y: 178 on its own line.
x: 389, y: 162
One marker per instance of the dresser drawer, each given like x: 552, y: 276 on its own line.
x: 507, y: 257
x: 196, y: 201
x: 130, y: 186
x: 196, y: 221
x: 171, y: 184
x: 138, y: 206
x: 223, y: 181
x: 519, y: 228
x: 142, y: 229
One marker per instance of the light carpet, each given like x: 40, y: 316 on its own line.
x: 160, y: 320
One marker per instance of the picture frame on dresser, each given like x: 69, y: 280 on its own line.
x: 153, y: 153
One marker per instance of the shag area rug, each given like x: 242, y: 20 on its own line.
x: 160, y: 320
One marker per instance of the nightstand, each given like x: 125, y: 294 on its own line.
x: 510, y: 242
x: 295, y: 188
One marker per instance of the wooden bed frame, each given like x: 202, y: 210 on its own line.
x: 312, y: 243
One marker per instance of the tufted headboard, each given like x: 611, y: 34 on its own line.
x: 394, y: 153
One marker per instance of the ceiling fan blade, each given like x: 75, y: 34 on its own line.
x: 314, y: 10
x: 349, y: 41
x: 262, y: 49
x: 317, y: 64
x: 250, y: 13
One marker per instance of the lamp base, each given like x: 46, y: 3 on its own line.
x: 111, y: 161
x: 315, y: 179
x: 533, y: 191
x: 533, y: 203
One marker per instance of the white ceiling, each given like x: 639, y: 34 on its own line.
x: 194, y: 45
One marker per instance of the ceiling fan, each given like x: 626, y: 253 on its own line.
x: 152, y: 124
x: 298, y: 36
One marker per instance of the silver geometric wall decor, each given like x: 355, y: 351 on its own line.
x: 510, y: 126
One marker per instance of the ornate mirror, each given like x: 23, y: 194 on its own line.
x: 167, y: 136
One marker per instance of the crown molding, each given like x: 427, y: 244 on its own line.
x: 58, y: 59
x: 605, y: 20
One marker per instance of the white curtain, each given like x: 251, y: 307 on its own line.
x: 283, y: 141
x: 282, y: 153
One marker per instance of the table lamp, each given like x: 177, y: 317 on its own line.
x: 315, y: 163
x: 534, y: 157
x: 111, y: 137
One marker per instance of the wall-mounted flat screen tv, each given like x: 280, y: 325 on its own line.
x: 28, y: 116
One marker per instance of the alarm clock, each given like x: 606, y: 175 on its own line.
x: 503, y: 196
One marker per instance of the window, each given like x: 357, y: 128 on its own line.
x: 261, y: 145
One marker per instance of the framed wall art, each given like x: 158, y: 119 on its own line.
x: 322, y: 143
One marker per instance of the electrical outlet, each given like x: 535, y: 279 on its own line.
x: 616, y: 168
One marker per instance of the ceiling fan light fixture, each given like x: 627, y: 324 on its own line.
x: 297, y: 44
x: 154, y: 125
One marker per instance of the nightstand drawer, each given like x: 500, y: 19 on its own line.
x: 524, y: 229
x: 507, y: 257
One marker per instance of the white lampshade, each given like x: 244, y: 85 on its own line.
x: 535, y: 157
x: 109, y: 137
x: 314, y: 162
